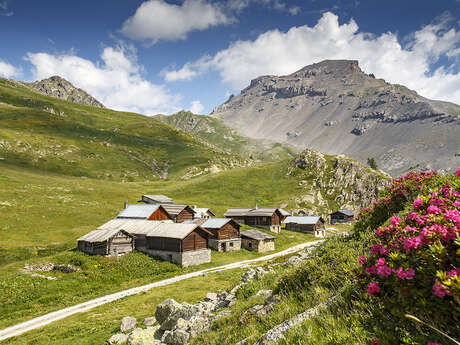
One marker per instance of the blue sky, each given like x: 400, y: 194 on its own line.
x: 162, y: 55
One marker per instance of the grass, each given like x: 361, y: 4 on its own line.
x: 216, y: 132
x: 96, y: 326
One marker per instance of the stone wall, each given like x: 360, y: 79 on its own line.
x: 228, y: 244
x: 185, y: 259
x: 258, y: 246
x: 266, y: 246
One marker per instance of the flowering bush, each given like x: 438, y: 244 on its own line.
x: 413, y: 266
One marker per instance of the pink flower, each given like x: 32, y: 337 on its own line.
x: 395, y: 220
x: 418, y: 203
x: 458, y: 172
x: 457, y: 204
x: 410, y: 273
x: 412, y: 243
x: 375, y: 249
x: 434, y: 209
x: 384, y: 271
x: 376, y: 341
x: 439, y: 289
x: 381, y: 262
x: 412, y: 216
x: 434, y: 344
x: 371, y: 270
x: 373, y: 288
x: 454, y: 273
x: 362, y: 260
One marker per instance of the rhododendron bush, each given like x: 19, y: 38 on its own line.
x: 413, y: 265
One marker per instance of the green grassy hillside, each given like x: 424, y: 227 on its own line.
x: 57, y: 136
x: 216, y: 132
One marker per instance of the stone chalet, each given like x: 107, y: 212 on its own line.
x: 257, y: 241
x: 225, y: 234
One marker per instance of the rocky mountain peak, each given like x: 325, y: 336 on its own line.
x: 335, y: 107
x: 59, y: 87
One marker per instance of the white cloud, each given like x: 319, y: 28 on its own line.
x: 196, y: 107
x: 185, y: 73
x: 116, y: 81
x: 8, y: 71
x: 239, y: 5
x: 276, y: 52
x: 4, y: 11
x: 295, y: 10
x: 158, y: 20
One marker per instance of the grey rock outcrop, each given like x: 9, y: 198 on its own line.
x: 60, y: 88
x: 127, y: 323
x: 119, y: 338
x: 334, y: 107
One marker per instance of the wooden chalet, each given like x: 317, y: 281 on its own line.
x: 179, y: 213
x: 147, y: 212
x: 225, y: 234
x: 258, y: 241
x: 111, y: 242
x: 156, y: 199
x: 184, y: 244
x: 308, y: 224
x: 138, y: 228
x: 203, y: 213
x: 342, y: 216
x: 268, y: 218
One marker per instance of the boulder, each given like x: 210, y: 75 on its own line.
x: 119, y: 338
x: 177, y: 337
x: 198, y: 325
x: 211, y: 297
x: 127, y: 323
x: 141, y: 336
x: 149, y: 321
x: 183, y: 311
x: 264, y: 293
x: 165, y: 309
x: 294, y: 261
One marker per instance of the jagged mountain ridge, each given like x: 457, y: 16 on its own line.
x: 336, y: 108
x: 57, y: 86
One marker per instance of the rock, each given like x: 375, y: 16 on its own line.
x: 198, y: 325
x: 150, y: 321
x: 211, y: 297
x: 177, y: 337
x: 254, y: 274
x: 264, y: 293
x: 165, y: 309
x: 294, y: 261
x: 127, y: 323
x: 141, y: 336
x: 183, y: 311
x: 220, y: 315
x: 119, y: 338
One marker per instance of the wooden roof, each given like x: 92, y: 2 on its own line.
x: 175, y: 209
x: 96, y: 236
x: 257, y: 235
x: 175, y: 230
x: 138, y: 211
x: 345, y: 212
x: 162, y: 199
x: 133, y: 226
x: 254, y: 212
x: 306, y: 220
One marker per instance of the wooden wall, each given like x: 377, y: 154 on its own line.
x: 120, y: 244
x: 194, y: 241
x: 185, y: 214
x: 229, y: 230
x: 159, y: 214
x: 167, y: 244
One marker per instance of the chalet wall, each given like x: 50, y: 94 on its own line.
x: 185, y: 214
x: 159, y: 214
x: 257, y: 245
x: 226, y: 245
x: 185, y: 259
x: 120, y: 244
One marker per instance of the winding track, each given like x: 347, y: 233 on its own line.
x: 82, y: 307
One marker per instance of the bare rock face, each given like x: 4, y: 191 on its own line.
x: 60, y: 88
x: 336, y: 108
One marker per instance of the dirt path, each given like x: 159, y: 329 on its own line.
x: 82, y: 307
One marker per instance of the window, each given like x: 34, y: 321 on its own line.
x: 250, y: 245
x: 231, y: 244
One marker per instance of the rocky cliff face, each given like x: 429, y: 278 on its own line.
x: 61, y: 88
x: 328, y: 183
x: 334, y: 107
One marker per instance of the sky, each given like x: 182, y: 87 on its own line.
x: 161, y: 56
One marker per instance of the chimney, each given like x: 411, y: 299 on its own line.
x: 193, y: 206
x: 126, y: 204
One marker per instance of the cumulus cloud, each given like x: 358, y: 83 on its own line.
x: 409, y: 63
x: 8, y: 71
x: 187, y: 72
x: 4, y: 10
x: 158, y: 20
x: 196, y: 107
x: 239, y: 5
x: 116, y: 80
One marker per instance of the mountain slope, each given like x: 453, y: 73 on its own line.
x: 59, y: 87
x: 216, y: 132
x: 55, y: 135
x: 334, y: 107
